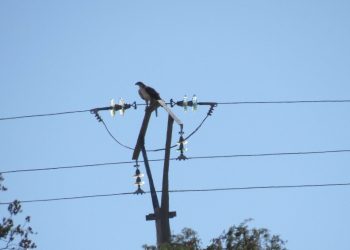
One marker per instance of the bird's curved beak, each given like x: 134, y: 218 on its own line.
x: 139, y: 84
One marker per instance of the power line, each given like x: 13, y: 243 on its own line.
x: 284, y: 102
x: 189, y: 191
x: 270, y: 154
x: 99, y: 118
x: 66, y: 167
x: 70, y: 198
x: 261, y: 187
x: 43, y: 115
x: 113, y: 137
x: 219, y: 103
x: 173, y: 159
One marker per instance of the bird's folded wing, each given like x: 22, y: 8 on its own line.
x: 167, y: 109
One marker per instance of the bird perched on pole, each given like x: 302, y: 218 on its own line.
x: 150, y: 95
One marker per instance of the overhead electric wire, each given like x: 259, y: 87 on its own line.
x: 174, y: 158
x: 70, y: 198
x: 219, y: 103
x: 323, y: 185
x: 158, y: 149
x: 283, y: 102
x: 212, y: 105
x: 66, y: 167
x: 43, y: 115
x: 271, y: 154
x: 112, y: 136
x: 260, y: 187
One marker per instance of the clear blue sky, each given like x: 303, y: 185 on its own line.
x: 70, y: 55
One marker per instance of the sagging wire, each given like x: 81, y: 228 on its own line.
x: 209, y: 113
x: 113, y: 108
x: 190, y: 103
x: 183, y: 141
x: 122, y: 107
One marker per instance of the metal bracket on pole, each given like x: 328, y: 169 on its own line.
x: 149, y: 217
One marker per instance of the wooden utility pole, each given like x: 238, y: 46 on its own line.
x: 164, y: 210
x: 161, y: 213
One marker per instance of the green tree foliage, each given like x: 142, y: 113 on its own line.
x: 242, y: 238
x: 13, y: 236
x: 239, y: 237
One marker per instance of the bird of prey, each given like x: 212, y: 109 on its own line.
x: 150, y: 95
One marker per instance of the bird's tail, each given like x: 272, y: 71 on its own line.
x: 167, y: 109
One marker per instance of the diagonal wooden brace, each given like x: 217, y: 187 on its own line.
x: 141, y: 138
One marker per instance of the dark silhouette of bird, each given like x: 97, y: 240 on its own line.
x: 150, y: 95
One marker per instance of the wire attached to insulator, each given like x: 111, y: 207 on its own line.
x: 134, y: 105
x: 172, y: 103
x: 211, y: 109
x: 97, y: 115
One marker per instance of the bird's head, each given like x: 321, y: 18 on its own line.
x: 140, y: 84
